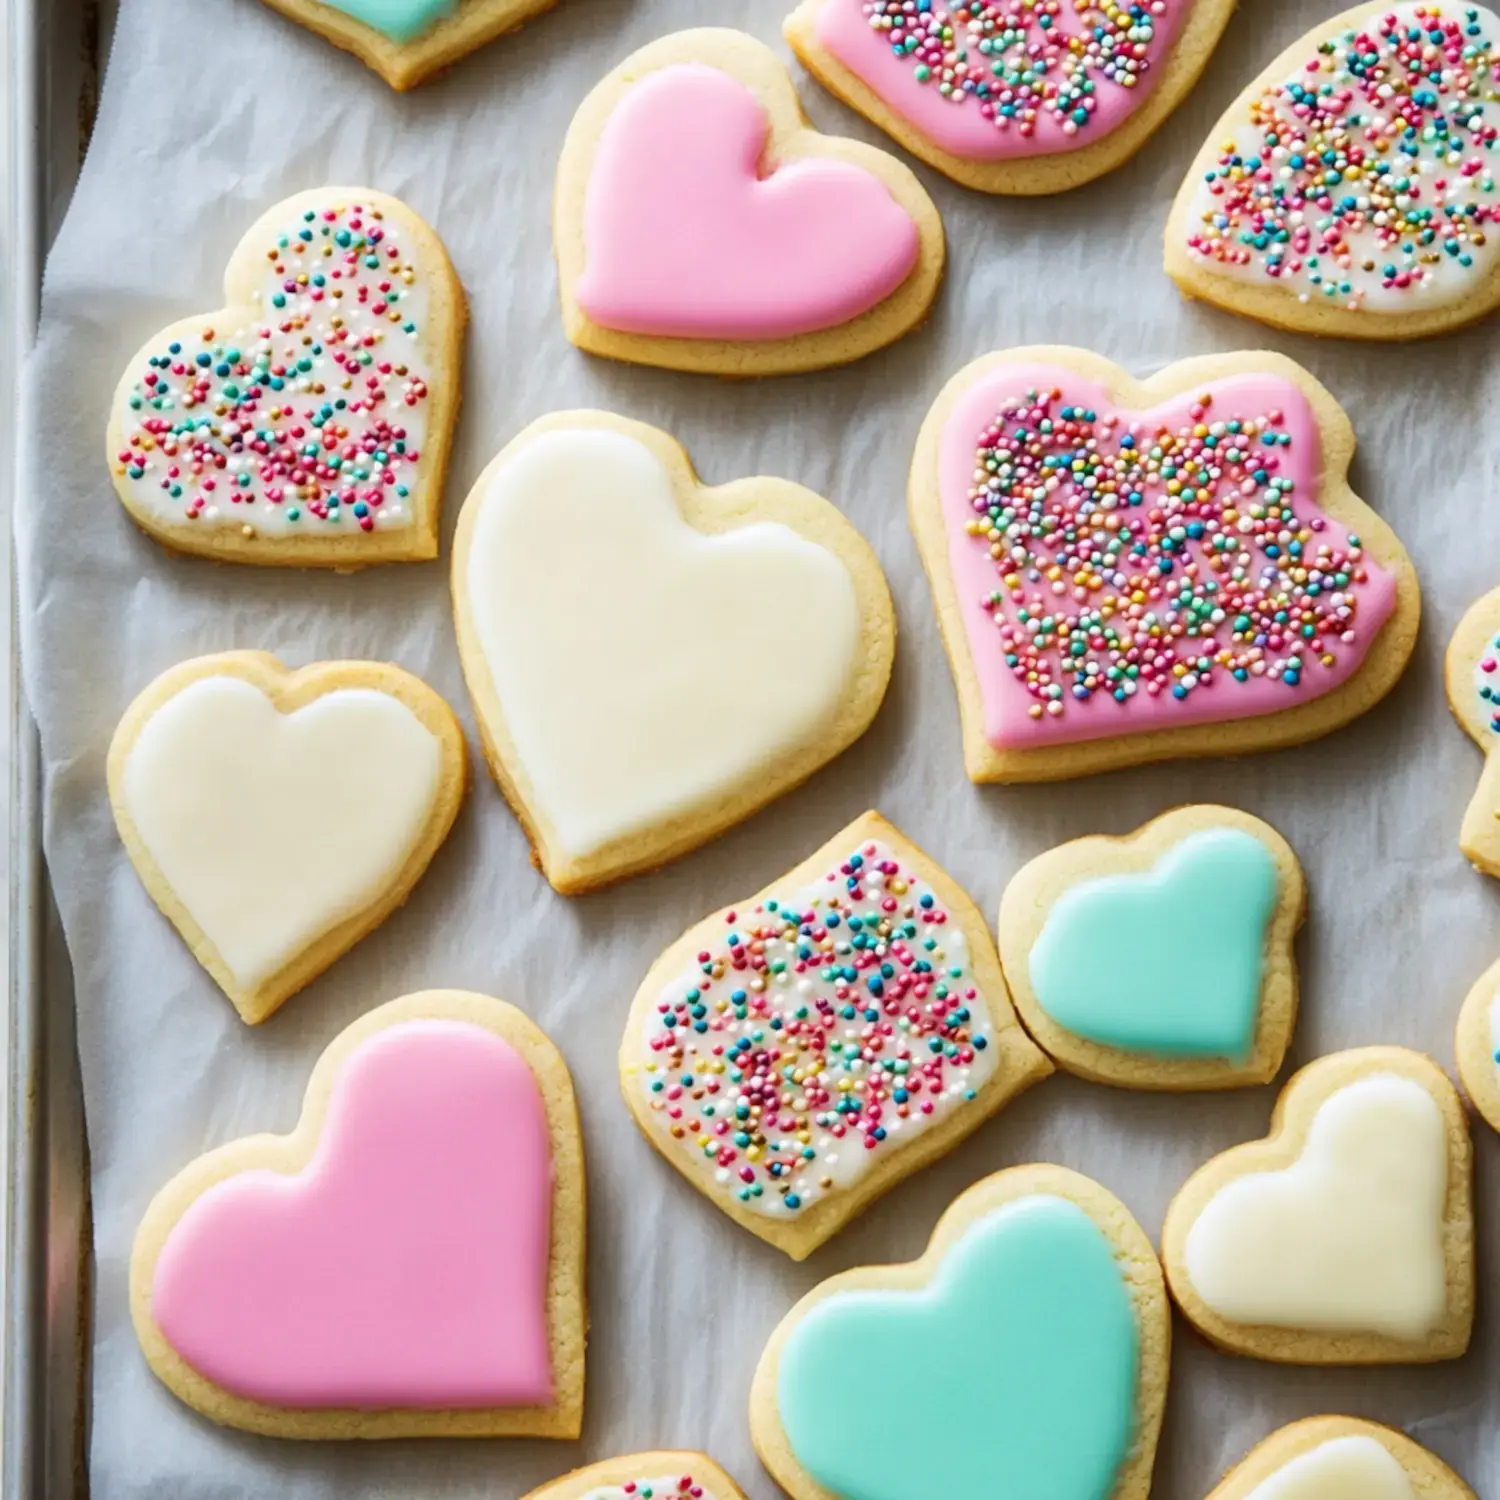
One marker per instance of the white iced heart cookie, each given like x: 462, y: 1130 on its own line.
x: 1347, y: 1235
x: 651, y: 660
x: 277, y: 817
x: 1353, y: 189
x: 306, y: 422
x: 1340, y: 1458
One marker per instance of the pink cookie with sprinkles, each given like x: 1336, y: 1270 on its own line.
x: 307, y: 422
x: 1011, y: 96
x: 701, y: 224
x: 1353, y: 189
x: 644, y: 1476
x: 1129, y: 571
x: 1471, y: 675
x: 797, y: 1054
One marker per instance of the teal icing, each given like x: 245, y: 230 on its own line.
x: 1010, y: 1376
x: 400, y: 20
x: 1168, y: 961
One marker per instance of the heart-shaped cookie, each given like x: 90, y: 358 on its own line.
x: 277, y: 817
x: 866, y: 974
x: 1478, y: 1045
x: 650, y: 660
x: 306, y: 422
x: 1353, y: 189
x: 1033, y: 1336
x: 700, y: 224
x: 1340, y: 1458
x: 1132, y: 571
x: 408, y: 1262
x: 1160, y: 960
x: 407, y: 41
x: 1471, y: 674
x: 1010, y: 99
x: 644, y: 1476
x: 1347, y: 1235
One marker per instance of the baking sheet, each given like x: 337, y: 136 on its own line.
x: 213, y: 109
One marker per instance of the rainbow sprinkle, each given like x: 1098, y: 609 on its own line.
x: 819, y: 1029
x: 1369, y: 177
x: 308, y: 417
x: 1020, y: 61
x: 1487, y: 683
x: 1136, y: 558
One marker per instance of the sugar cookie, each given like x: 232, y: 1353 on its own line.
x: 306, y: 422
x: 644, y: 1476
x: 1478, y: 1045
x: 1471, y: 675
x: 1347, y: 1235
x: 1204, y: 511
x: 408, y: 1262
x: 277, y: 817
x: 1033, y: 1335
x: 1290, y: 216
x: 407, y: 41
x: 1340, y: 1458
x: 701, y: 224
x: 1035, y: 107
x: 1161, y: 960
x: 874, y: 975
x: 652, y: 660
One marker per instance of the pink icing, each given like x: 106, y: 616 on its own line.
x: 1009, y: 707
x: 963, y: 130
x: 686, y: 237
x: 406, y: 1265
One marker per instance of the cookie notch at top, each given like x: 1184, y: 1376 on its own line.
x: 925, y: 92
x: 307, y: 422
x: 1056, y: 636
x: 596, y: 582
x: 804, y: 250
x: 1399, y: 239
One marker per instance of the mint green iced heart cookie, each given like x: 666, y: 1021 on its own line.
x: 1011, y: 1376
x: 400, y: 20
x: 1167, y: 962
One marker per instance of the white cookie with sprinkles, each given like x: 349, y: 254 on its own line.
x: 1353, y: 189
x: 307, y: 422
x: 797, y: 1054
x: 644, y: 1476
x: 1471, y: 672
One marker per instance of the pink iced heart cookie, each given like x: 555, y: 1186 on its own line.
x: 1011, y: 96
x: 1129, y: 571
x: 701, y: 224
x: 408, y: 1262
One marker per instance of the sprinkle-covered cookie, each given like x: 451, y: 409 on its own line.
x: 1347, y: 1235
x: 797, y: 1054
x: 1011, y: 96
x: 1032, y: 1339
x: 701, y: 224
x: 1352, y: 188
x: 407, y: 41
x: 1471, y: 674
x: 1163, y: 959
x: 644, y: 1476
x: 408, y: 1262
x: 277, y: 817
x: 652, y: 660
x: 307, y: 421
x: 1132, y: 571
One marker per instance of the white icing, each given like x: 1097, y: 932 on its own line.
x: 1348, y: 1238
x: 271, y: 828
x: 669, y: 1487
x: 705, y: 1124
x: 1353, y: 1467
x: 646, y: 669
x: 1443, y: 279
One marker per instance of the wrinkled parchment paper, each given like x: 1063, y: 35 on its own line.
x: 215, y: 108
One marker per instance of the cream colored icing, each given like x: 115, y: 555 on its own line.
x: 1349, y: 1238
x: 271, y: 828
x: 1353, y: 1467
x: 670, y: 1487
x: 646, y: 669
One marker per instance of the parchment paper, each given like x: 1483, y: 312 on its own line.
x: 215, y: 108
